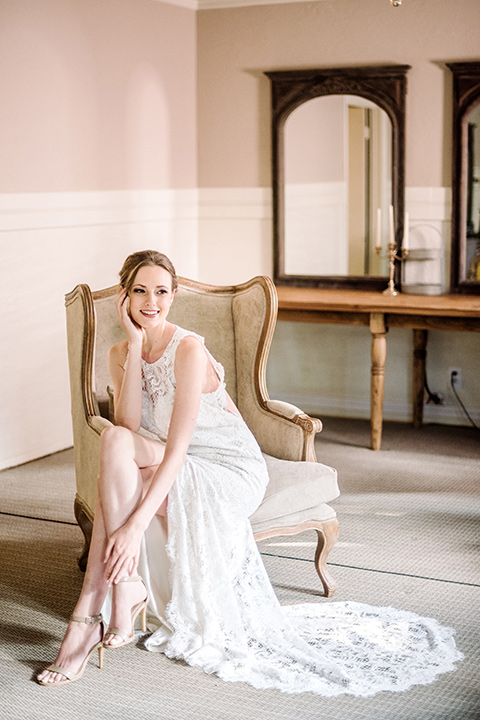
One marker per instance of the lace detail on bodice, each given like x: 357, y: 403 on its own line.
x: 158, y: 384
x: 158, y: 378
x: 158, y: 387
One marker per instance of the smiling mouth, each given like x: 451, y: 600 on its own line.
x: 150, y: 313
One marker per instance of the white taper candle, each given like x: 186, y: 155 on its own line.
x: 391, y: 225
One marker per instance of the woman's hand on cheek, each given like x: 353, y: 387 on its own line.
x: 133, y: 331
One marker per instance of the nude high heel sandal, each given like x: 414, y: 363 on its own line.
x: 70, y: 677
x: 139, y: 608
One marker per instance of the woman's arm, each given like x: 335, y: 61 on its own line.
x: 127, y: 377
x: 127, y: 385
x: 191, y: 366
x: 190, y: 376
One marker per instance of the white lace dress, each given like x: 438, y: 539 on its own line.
x: 211, y: 601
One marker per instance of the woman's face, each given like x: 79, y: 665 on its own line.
x: 151, y: 296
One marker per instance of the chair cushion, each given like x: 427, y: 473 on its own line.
x: 295, y: 488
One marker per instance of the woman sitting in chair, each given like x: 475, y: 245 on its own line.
x: 180, y: 474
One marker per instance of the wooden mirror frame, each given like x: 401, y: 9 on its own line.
x: 386, y: 86
x: 466, y: 94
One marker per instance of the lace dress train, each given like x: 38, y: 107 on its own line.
x: 211, y: 601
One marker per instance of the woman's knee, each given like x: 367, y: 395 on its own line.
x: 116, y: 439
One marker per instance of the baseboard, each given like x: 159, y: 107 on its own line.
x: 360, y: 409
x: 34, y: 452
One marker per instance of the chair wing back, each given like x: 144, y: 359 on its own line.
x: 208, y: 312
x: 255, y: 315
x: 107, y: 332
x: 201, y: 308
x: 81, y: 327
x: 237, y: 323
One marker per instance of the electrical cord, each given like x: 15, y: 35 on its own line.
x: 434, y: 398
x: 437, y: 399
x: 452, y: 384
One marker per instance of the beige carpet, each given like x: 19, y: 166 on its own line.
x: 409, y: 529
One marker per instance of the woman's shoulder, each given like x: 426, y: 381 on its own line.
x: 190, y: 343
x: 190, y: 348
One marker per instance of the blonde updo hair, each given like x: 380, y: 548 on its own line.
x: 135, y: 261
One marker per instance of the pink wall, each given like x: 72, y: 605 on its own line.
x: 236, y: 46
x: 97, y: 95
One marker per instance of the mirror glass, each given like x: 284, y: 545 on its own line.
x: 337, y: 188
x: 472, y: 199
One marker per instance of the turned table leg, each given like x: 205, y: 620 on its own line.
x: 418, y: 383
x: 377, y: 382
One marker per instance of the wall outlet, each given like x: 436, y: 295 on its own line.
x: 456, y: 380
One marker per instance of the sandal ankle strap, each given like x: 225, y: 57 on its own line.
x: 131, y: 578
x: 88, y: 620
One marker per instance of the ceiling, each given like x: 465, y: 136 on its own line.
x: 216, y: 4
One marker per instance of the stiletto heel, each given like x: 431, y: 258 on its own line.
x: 100, y: 656
x: 143, y: 616
x: 138, y: 609
x: 69, y: 677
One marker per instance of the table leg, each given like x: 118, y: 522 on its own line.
x: 418, y: 382
x: 377, y: 382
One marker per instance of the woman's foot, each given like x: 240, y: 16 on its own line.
x: 129, y: 598
x: 83, y: 636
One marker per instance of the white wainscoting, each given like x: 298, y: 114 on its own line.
x: 49, y: 243
x: 234, y: 234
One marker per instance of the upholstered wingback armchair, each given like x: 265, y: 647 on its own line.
x: 237, y: 324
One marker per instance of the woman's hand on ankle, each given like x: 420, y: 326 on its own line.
x: 122, y: 552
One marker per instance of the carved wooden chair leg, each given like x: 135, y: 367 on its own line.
x: 327, y: 537
x: 86, y: 526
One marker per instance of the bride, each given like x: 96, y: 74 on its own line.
x: 180, y: 474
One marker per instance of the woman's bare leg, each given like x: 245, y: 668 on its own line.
x: 120, y: 485
x: 121, y: 488
x: 80, y: 637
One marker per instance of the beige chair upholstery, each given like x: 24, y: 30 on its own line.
x: 237, y: 324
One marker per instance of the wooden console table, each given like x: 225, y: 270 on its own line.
x: 380, y: 312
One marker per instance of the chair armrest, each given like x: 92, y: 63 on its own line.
x: 282, y: 430
x: 287, y: 410
x: 98, y: 423
x: 309, y: 426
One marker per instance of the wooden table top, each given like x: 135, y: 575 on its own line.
x: 325, y: 299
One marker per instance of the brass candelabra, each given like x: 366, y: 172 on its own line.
x: 392, y: 256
